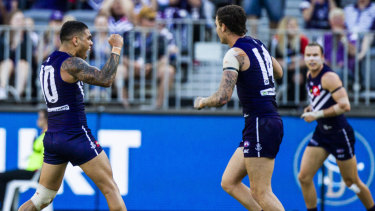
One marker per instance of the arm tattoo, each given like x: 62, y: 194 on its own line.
x: 223, y: 95
x: 241, y: 59
x: 84, y: 72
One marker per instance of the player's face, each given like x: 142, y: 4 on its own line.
x: 313, y: 58
x: 85, y: 44
x: 219, y: 32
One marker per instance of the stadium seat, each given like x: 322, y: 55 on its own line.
x: 40, y: 16
x: 206, y: 75
x: 15, y: 187
x: 86, y: 16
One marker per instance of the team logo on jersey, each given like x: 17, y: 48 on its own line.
x: 336, y: 193
x: 246, y: 144
x: 97, y: 143
x: 315, y: 91
x: 258, y: 147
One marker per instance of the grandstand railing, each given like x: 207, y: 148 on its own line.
x: 193, y: 49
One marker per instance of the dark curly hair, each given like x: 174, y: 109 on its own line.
x: 234, y: 17
x: 70, y: 29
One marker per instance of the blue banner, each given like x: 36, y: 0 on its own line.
x: 175, y: 162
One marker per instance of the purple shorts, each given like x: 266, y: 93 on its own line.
x: 76, y: 147
x: 339, y: 143
x: 262, y: 136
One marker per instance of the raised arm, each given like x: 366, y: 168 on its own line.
x: 76, y: 69
x: 308, y: 9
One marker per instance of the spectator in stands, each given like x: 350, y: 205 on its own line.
x: 316, y: 12
x: 101, y: 50
x: 187, y: 8
x: 29, y: 23
x: 51, y: 37
x: 339, y: 46
x: 253, y: 9
x: 5, y: 8
x: 139, y: 4
x: 16, y: 58
x: 359, y: 20
x: 164, y: 70
x: 62, y: 5
x: 34, y: 161
x: 290, y: 47
x: 222, y: 3
x: 68, y: 18
x: 120, y: 13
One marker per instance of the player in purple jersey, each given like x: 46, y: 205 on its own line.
x: 249, y: 66
x: 68, y: 138
x: 333, y: 134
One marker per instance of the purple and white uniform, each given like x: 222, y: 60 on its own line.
x: 68, y: 138
x: 334, y: 134
x: 263, y: 130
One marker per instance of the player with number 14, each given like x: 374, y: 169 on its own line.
x: 248, y: 65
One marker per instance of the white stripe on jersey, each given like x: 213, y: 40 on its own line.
x: 347, y: 142
x: 257, y: 126
x: 81, y: 88
x: 91, y: 143
x: 262, y: 66
x: 316, y: 100
x: 322, y: 102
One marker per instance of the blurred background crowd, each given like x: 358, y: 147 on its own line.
x: 171, y: 51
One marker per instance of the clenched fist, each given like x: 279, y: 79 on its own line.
x: 116, y: 40
x: 198, y: 103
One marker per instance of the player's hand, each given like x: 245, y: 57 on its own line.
x: 116, y: 40
x: 198, y: 103
x: 312, y: 116
x: 308, y: 117
x: 307, y: 109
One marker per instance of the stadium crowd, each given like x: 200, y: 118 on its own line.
x: 159, y: 34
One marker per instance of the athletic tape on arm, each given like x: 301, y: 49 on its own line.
x: 230, y: 61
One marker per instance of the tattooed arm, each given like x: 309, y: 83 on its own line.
x: 235, y: 60
x: 75, y: 68
x: 80, y: 70
x: 222, y: 95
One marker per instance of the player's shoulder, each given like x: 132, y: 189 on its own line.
x: 235, y: 51
x: 330, y: 76
x: 73, y: 62
x: 330, y: 80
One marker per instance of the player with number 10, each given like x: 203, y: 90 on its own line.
x: 68, y: 138
x: 248, y: 65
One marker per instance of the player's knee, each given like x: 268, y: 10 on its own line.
x: 42, y: 197
x: 109, y: 188
x: 349, y: 181
x: 227, y: 185
x: 304, y: 179
x: 258, y: 192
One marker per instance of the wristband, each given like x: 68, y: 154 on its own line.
x: 116, y: 50
x: 316, y: 114
x: 319, y: 114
